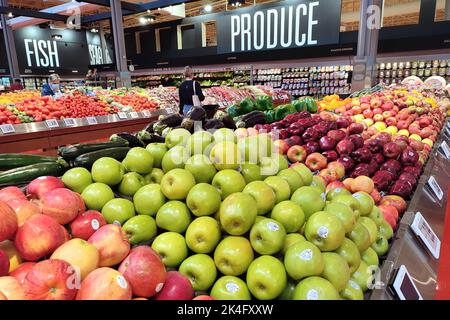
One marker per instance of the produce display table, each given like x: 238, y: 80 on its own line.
x: 41, y: 135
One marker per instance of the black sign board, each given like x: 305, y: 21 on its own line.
x: 3, y: 56
x: 289, y: 24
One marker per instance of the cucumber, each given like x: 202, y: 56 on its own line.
x: 87, y: 160
x: 73, y: 151
x: 16, y: 160
x: 28, y: 173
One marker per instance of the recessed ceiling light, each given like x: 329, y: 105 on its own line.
x: 142, y: 20
x: 10, y: 15
x: 208, y: 8
x: 93, y: 30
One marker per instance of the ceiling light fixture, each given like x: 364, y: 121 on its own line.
x: 57, y: 36
x: 236, y: 3
x: 208, y: 8
x: 94, y: 30
x: 10, y: 15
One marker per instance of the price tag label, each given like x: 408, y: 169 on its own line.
x: 432, y: 183
x: 445, y: 149
x: 52, y: 123
x: 92, y: 120
x: 69, y: 122
x: 424, y: 232
x: 134, y: 115
x: 7, y: 128
x: 146, y: 113
x: 122, y: 115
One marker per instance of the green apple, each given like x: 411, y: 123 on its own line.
x: 366, y: 202
x: 200, y: 270
x: 108, y: 171
x: 203, y: 200
x: 385, y: 230
x: 131, y: 183
x: 155, y: 176
x: 293, y: 179
x: 266, y: 278
x: 309, y: 199
x: 251, y: 172
x: 270, y: 166
x: 177, y: 183
x: 304, y: 172
x: 77, y: 179
x: 177, y: 137
x: 254, y: 148
x: 289, y: 214
x: 225, y: 155
x: 265, y: 147
x: 363, y: 276
x: 263, y: 194
x: 203, y: 234
x: 224, y: 134
x: 376, y: 216
x: 201, y: 168
x: 157, y: 150
x: 140, y: 228
x: 138, y: 160
x: 230, y: 288
x: 333, y: 193
x: 350, y: 202
x: 325, y: 230
x: 352, y: 291
x: 350, y: 252
x: 380, y: 246
x: 281, y: 188
x: 238, y: 213
x: 96, y: 195
x: 371, y: 226
x: 199, y: 142
x: 302, y: 229
x: 360, y: 236
x: 303, y: 259
x: 259, y: 218
x: 171, y: 247
x: 118, y: 211
x: 228, y: 182
x: 233, y: 255
x: 336, y: 270
x: 343, y: 213
x: 173, y: 216
x: 319, y: 183
x: 174, y: 158
x: 315, y: 288
x: 288, y: 291
x: 148, y: 199
x: 267, y: 236
x: 370, y: 257
x: 282, y: 161
x: 291, y: 239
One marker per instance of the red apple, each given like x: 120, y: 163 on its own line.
x: 281, y: 146
x: 357, y: 140
x: 81, y: 204
x: 345, y: 147
x: 316, y: 161
x: 378, y: 117
x: 39, y: 186
x: 328, y: 175
x: 203, y: 297
x: 297, y: 154
x: 39, y: 236
x: 368, y: 114
x: 310, y: 134
x: 61, y: 204
x: 11, y: 193
x: 361, y: 169
x: 362, y: 155
x: 337, y: 135
x: 86, y: 224
x: 104, y: 284
x: 334, y: 185
x: 11, y: 288
x: 4, y: 263
x: 112, y: 244
x: 144, y: 271
x: 338, y: 167
x: 376, y: 196
x: 25, y: 211
x: 326, y: 143
x: 331, y: 155
x: 8, y: 222
x: 378, y: 157
x: 22, y: 270
x: 388, y: 210
x: 362, y: 183
x: 355, y: 128
x: 312, y: 146
x: 343, y: 122
x: 391, y: 121
x: 398, y: 202
x: 391, y: 150
x: 409, y: 157
x: 176, y: 287
x: 347, y: 162
x: 382, y: 180
x: 377, y: 111
x: 401, y: 188
x: 386, y: 114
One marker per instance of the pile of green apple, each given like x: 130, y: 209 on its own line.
x: 236, y: 220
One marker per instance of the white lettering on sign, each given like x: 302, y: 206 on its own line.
x: 258, y: 45
x: 272, y: 13
x: 44, y: 53
x: 95, y: 54
x: 286, y: 44
x: 304, y: 10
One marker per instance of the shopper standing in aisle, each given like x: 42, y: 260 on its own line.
x: 17, y: 85
x: 52, y: 87
x: 190, y: 92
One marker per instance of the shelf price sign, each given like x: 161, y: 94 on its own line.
x: 432, y: 183
x: 92, y: 120
x: 146, y: 113
x: 122, y: 115
x: 7, y: 128
x: 134, y: 115
x: 69, y: 122
x: 445, y: 149
x: 423, y: 231
x: 52, y: 123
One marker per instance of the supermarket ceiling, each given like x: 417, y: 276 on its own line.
x: 138, y: 12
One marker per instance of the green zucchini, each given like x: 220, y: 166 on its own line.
x: 73, y: 151
x: 16, y: 160
x: 28, y: 173
x: 87, y: 160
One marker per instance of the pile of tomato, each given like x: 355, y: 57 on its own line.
x: 7, y: 117
x: 137, y: 102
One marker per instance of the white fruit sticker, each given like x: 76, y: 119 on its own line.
x: 323, y: 196
x: 312, y: 295
x: 338, y: 189
x: 322, y: 232
x: 273, y: 226
x: 306, y: 254
x: 357, y: 195
x: 232, y: 287
x: 159, y: 287
x: 117, y: 223
x: 122, y: 282
x: 354, y: 285
x: 95, y: 224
